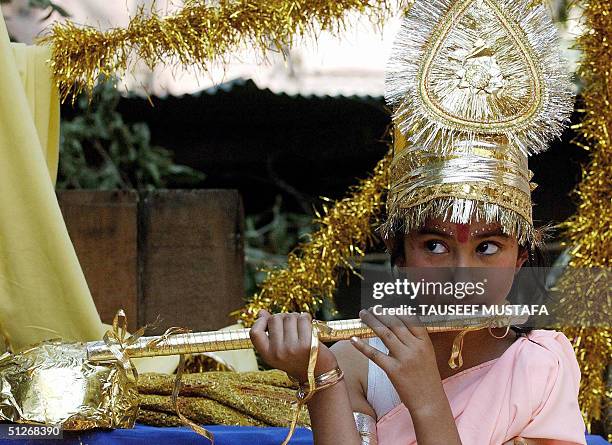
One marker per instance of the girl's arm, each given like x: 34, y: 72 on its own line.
x: 331, y: 411
x: 411, y: 367
x: 331, y: 417
x: 287, y: 347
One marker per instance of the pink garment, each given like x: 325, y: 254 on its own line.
x: 530, y: 391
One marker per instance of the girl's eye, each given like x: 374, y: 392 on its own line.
x: 435, y: 247
x: 487, y: 248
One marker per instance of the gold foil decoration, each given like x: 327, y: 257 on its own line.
x: 589, y: 232
x: 55, y: 383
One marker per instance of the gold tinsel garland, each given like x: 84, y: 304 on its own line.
x: 589, y: 231
x: 345, y: 231
x: 197, y: 35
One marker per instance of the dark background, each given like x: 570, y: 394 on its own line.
x: 264, y: 144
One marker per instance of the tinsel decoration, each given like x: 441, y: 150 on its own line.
x: 589, y: 231
x: 313, y: 268
x: 199, y: 34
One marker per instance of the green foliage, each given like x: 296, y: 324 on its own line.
x: 269, y: 237
x: 98, y: 150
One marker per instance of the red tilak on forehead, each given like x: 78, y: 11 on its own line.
x: 463, y: 233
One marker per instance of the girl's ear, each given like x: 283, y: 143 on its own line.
x: 390, y: 244
x: 522, y: 257
x: 400, y: 262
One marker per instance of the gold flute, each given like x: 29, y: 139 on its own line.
x: 330, y: 331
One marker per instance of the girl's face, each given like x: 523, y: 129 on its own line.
x: 476, y: 245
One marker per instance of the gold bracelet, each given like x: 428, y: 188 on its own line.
x: 322, y: 381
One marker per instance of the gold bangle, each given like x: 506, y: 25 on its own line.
x: 319, y: 379
x: 322, y: 381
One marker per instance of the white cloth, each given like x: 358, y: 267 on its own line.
x: 382, y: 396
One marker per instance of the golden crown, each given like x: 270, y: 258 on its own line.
x: 476, y: 86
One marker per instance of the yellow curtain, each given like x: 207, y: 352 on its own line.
x: 43, y: 293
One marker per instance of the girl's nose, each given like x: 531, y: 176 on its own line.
x: 462, y: 273
x: 464, y: 258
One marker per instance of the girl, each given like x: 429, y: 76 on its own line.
x: 475, y: 87
x: 511, y: 389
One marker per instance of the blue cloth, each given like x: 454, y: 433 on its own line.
x: 596, y: 440
x: 224, y: 435
x: 150, y: 435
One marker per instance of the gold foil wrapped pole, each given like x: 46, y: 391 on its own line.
x: 199, y: 342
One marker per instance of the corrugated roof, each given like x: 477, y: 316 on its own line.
x: 231, y: 85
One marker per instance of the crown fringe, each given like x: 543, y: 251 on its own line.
x: 460, y: 211
x: 401, y: 92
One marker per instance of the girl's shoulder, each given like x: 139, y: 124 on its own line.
x: 545, y: 348
x: 543, y: 380
x: 543, y: 365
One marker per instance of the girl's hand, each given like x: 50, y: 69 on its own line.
x: 287, y: 344
x: 411, y: 363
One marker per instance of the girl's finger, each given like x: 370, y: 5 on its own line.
x: 258, y: 335
x: 414, y: 325
x: 397, y: 326
x: 304, y: 328
x: 275, y: 331
x: 378, y: 357
x: 263, y: 313
x: 290, y: 333
x: 393, y: 344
